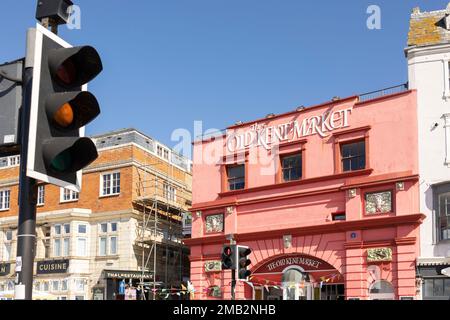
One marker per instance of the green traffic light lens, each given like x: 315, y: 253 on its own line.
x: 62, y: 162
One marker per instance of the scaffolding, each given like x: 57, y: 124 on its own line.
x: 161, y: 202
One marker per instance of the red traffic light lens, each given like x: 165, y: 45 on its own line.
x: 227, y: 251
x: 64, y: 115
x: 67, y: 72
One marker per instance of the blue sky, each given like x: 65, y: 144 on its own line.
x: 168, y: 63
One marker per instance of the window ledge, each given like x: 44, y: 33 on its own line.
x: 68, y: 201
x: 4, y: 210
x: 110, y: 257
x: 109, y: 195
x: 298, y: 182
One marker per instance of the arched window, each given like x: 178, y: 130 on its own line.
x: 293, y: 276
x: 381, y: 290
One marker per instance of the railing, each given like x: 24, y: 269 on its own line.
x: 207, y: 136
x: 383, y: 92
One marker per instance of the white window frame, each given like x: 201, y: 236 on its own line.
x: 84, y: 237
x: 169, y: 192
x: 41, y: 195
x: 5, y: 199
x: 111, y: 186
x: 77, y: 282
x: 7, y: 243
x: 63, y: 236
x: 57, y: 287
x: 12, y: 161
x: 62, y: 289
x: 446, y: 64
x: 108, y: 235
x: 73, y: 196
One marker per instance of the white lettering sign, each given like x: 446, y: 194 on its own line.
x: 261, y: 135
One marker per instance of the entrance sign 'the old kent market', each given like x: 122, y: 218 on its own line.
x: 267, y: 136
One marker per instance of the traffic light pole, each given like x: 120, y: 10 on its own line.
x: 233, y: 275
x: 26, y: 236
x: 233, y: 284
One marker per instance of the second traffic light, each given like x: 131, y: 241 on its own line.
x: 229, y: 257
x: 242, y: 262
x: 60, y: 108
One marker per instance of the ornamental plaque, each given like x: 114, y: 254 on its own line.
x: 379, y: 254
x: 213, y: 266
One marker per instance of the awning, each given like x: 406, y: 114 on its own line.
x: 432, y: 262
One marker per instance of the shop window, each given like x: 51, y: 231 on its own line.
x: 378, y: 202
x: 291, y: 167
x: 236, y: 177
x: 353, y: 156
x: 442, y: 212
x: 214, y: 223
x: 436, y: 289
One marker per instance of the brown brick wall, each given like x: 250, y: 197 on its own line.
x: 90, y: 195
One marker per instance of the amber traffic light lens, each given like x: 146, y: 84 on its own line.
x: 64, y: 116
x: 67, y: 72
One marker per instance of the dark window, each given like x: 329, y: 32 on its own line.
x: 442, y: 212
x: 339, y: 216
x: 292, y: 167
x: 236, y: 177
x: 444, y: 216
x: 353, y: 156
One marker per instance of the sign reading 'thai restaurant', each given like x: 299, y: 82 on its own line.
x: 266, y: 136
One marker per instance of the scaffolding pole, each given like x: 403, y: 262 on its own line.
x: 158, y: 196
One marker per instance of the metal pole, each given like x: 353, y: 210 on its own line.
x: 26, y: 236
x: 233, y: 275
x: 233, y: 284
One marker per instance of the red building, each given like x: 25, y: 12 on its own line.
x: 325, y: 196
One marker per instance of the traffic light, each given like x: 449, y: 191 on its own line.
x: 229, y: 257
x: 60, y: 108
x: 243, y: 262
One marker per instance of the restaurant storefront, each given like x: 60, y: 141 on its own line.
x: 325, y: 197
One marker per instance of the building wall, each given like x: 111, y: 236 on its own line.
x: 428, y: 73
x: 138, y: 167
x: 266, y: 210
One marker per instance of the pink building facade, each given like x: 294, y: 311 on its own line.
x: 326, y: 197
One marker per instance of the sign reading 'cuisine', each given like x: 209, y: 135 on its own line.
x: 266, y: 136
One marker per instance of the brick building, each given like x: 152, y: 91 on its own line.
x: 126, y: 224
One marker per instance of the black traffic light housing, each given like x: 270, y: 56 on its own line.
x: 242, y: 262
x: 60, y: 108
x: 56, y: 10
x: 229, y: 257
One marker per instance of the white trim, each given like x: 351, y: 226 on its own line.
x: 111, y: 173
x: 61, y: 195
x: 447, y: 135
